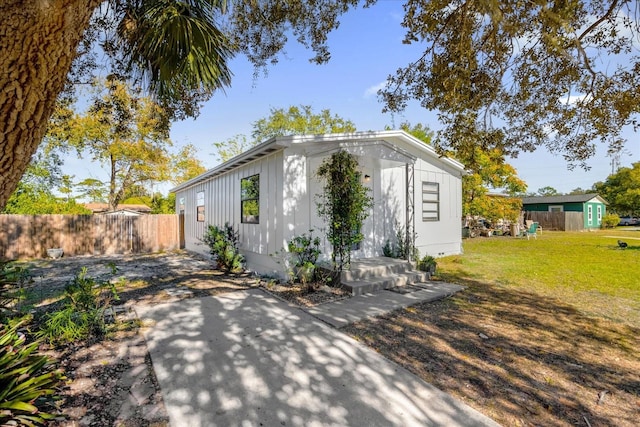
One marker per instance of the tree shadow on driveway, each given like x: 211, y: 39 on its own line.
x: 246, y: 358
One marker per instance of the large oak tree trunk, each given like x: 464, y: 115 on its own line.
x: 38, y: 42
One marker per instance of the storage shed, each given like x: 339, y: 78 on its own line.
x: 591, y: 206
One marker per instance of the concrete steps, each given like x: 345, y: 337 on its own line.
x: 375, y: 274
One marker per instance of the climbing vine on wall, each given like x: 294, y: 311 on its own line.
x: 344, y: 204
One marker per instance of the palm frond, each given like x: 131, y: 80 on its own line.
x: 176, y: 45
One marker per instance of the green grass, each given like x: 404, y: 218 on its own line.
x: 585, y: 269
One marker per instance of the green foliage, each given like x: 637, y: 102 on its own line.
x: 296, y: 120
x: 223, y: 245
x: 125, y: 132
x: 427, y: 263
x: 622, y: 190
x: 27, y: 382
x: 610, y: 221
x: 233, y: 146
x: 402, y: 247
x: 516, y: 76
x: 13, y: 278
x: 344, y: 204
x: 186, y: 164
x: 548, y: 191
x: 83, y: 312
x: 305, y: 248
x: 163, y: 205
x: 299, y: 120
x: 34, y: 193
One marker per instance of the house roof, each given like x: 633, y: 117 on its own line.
x: 394, y: 137
x: 570, y: 198
x: 104, y: 207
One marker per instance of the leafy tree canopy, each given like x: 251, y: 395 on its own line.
x: 548, y: 191
x: 125, y: 132
x: 520, y: 75
x: 295, y: 120
x: 34, y: 194
x: 622, y: 190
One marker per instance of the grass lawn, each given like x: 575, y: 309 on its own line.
x: 585, y: 269
x: 547, y: 331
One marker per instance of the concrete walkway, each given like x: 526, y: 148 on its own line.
x: 248, y: 359
x: 344, y: 312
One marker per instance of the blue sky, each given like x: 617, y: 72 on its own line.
x: 365, y: 49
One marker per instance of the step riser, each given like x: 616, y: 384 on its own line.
x: 375, y: 272
x: 358, y: 288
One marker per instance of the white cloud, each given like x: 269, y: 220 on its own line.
x: 573, y: 99
x: 373, y: 90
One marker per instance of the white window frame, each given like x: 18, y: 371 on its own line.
x: 200, y: 206
x: 556, y: 208
x: 590, y: 214
x: 599, y: 213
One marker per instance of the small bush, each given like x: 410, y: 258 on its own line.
x: 610, y: 221
x: 13, y: 278
x: 27, y: 382
x: 427, y: 263
x: 83, y: 311
x: 400, y: 249
x: 223, y: 245
x: 306, y: 249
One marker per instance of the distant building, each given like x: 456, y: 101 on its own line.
x: 591, y: 206
x: 123, y: 209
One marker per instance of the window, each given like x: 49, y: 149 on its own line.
x: 200, y: 206
x: 599, y: 210
x: 590, y: 213
x: 556, y: 208
x: 250, y: 199
x: 430, y: 201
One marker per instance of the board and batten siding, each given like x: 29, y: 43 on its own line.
x: 222, y: 205
x: 442, y: 237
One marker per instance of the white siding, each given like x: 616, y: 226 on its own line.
x: 222, y: 204
x: 442, y: 237
x: 288, y: 194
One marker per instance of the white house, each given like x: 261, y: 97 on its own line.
x: 412, y: 186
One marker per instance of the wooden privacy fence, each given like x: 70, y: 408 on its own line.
x: 29, y: 236
x: 562, y: 221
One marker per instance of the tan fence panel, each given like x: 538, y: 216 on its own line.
x: 29, y: 236
x: 562, y: 221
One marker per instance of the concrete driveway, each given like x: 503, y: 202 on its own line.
x: 248, y: 359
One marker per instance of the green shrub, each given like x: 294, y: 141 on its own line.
x: 400, y: 249
x: 13, y: 278
x: 306, y: 249
x: 83, y: 311
x: 427, y: 263
x: 223, y: 244
x: 27, y: 382
x: 610, y: 220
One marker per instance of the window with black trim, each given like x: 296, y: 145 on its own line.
x: 200, y: 206
x: 250, y: 199
x: 430, y: 201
